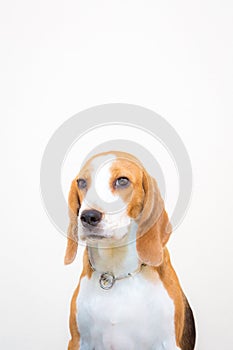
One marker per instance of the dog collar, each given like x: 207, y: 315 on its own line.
x: 108, y: 279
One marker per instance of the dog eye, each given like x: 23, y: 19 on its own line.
x: 122, y: 182
x: 82, y: 184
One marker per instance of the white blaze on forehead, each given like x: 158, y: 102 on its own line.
x: 100, y: 180
x: 102, y: 183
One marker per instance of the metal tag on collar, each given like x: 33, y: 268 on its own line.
x: 107, y: 280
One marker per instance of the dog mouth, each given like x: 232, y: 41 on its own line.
x: 100, y: 236
x: 108, y: 234
x: 95, y: 236
x: 96, y: 233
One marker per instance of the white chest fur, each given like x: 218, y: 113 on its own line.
x: 136, y: 314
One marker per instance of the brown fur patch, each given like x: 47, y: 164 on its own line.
x: 75, y: 199
x: 144, y: 205
x: 74, y: 343
x: 150, y: 245
x: 154, y: 228
x: 74, y: 205
x: 172, y: 285
x: 188, y: 339
x: 133, y: 195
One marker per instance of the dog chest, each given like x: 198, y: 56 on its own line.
x: 136, y: 313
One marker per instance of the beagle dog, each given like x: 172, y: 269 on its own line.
x: 128, y: 296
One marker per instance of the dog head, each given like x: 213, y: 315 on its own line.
x: 111, y: 194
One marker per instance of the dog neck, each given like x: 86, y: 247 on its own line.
x: 107, y: 257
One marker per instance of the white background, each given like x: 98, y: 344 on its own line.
x: 60, y: 57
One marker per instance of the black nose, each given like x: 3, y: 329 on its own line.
x: 91, y: 217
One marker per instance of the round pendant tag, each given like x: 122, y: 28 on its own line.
x: 106, y: 280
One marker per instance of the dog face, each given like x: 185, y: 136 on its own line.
x: 112, y: 197
x: 111, y: 194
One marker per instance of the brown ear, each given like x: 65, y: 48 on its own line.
x: 154, y: 228
x: 72, y: 234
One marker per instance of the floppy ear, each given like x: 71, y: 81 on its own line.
x: 72, y: 234
x: 154, y: 228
